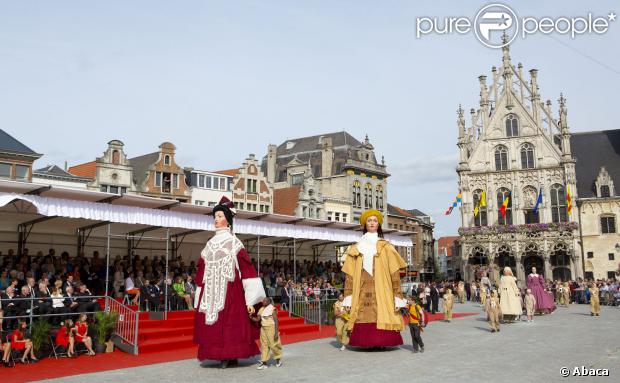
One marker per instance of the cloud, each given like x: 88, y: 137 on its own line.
x: 425, y: 170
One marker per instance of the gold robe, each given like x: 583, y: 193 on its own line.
x: 386, y: 266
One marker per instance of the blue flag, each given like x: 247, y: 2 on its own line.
x: 538, y: 201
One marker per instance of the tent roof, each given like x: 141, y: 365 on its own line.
x: 135, y: 209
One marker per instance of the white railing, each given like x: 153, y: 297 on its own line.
x: 125, y: 336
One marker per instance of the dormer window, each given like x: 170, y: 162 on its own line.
x: 604, y: 184
x: 297, y: 179
x: 605, y: 191
x: 290, y: 145
x: 167, y: 159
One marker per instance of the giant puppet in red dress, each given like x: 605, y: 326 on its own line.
x: 228, y: 288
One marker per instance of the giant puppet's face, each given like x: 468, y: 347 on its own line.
x: 372, y: 224
x: 220, y: 220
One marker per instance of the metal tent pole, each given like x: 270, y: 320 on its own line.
x: 258, y: 249
x: 107, y: 269
x: 166, y: 288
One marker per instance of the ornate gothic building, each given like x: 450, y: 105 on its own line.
x: 514, y: 150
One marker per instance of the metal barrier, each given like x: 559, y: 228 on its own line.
x: 315, y: 309
x: 125, y: 335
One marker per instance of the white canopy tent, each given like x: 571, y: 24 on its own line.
x: 108, y: 219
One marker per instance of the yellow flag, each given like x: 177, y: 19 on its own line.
x: 482, y: 202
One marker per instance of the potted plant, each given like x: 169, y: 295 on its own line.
x: 40, y: 335
x: 105, y: 323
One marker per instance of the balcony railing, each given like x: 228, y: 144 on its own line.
x: 527, y: 228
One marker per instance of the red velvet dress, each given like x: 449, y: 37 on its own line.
x: 233, y: 335
x: 62, y: 339
x: 80, y: 334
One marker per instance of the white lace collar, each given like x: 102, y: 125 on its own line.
x: 367, y: 246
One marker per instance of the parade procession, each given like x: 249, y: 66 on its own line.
x: 257, y: 191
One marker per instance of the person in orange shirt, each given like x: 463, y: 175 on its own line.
x: 416, y: 324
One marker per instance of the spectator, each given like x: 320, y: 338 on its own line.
x: 65, y: 337
x: 4, y: 280
x: 81, y: 334
x: 179, y: 288
x: 85, y: 299
x: 43, y: 303
x: 71, y: 301
x: 10, y: 306
x: 19, y: 342
x: 58, y: 306
x: 190, y: 287
x: 131, y: 289
x: 6, y: 353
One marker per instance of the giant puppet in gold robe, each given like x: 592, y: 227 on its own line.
x: 372, y: 290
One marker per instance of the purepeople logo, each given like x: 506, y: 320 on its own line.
x: 497, y: 25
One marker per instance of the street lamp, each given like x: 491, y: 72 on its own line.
x: 618, y: 247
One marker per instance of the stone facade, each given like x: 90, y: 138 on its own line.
x: 514, y: 148
x: 158, y: 175
x: 598, y: 177
x: 250, y: 189
x: 344, y: 174
x: 110, y: 173
x: 421, y: 261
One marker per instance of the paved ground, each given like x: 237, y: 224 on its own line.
x: 461, y: 351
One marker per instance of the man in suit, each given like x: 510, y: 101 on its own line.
x: 152, y: 295
x: 10, y: 307
x: 43, y: 301
x: 86, y: 302
x: 71, y: 300
x: 434, y: 298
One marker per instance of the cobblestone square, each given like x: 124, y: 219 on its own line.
x: 461, y: 351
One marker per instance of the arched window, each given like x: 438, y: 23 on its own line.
x: 166, y: 159
x: 501, y: 158
x: 527, y: 156
x: 481, y: 218
x: 529, y: 198
x: 558, y: 203
x: 502, y: 194
x: 368, y: 196
x: 560, y: 261
x: 357, y: 201
x: 379, y: 197
x: 115, y: 157
x: 512, y: 126
x: 505, y: 258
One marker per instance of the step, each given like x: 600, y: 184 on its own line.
x: 160, y: 333
x: 168, y: 324
x: 166, y: 344
x: 298, y: 329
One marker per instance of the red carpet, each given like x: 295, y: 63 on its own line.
x: 156, y: 347
x: 157, y: 344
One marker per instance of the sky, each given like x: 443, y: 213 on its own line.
x: 222, y: 79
